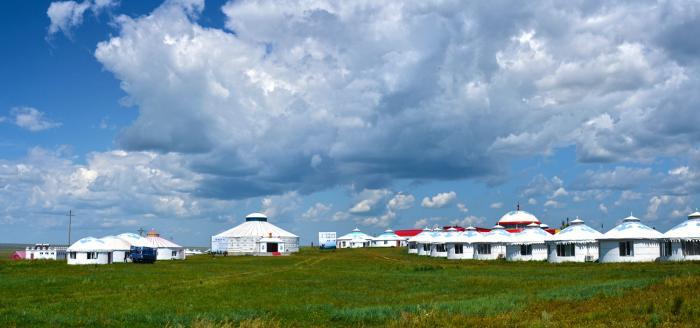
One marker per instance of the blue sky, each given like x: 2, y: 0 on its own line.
x: 183, y: 116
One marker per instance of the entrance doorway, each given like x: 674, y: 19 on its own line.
x: 109, y: 258
x: 272, y: 247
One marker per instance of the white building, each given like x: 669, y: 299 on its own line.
x: 45, y: 252
x: 421, y: 242
x: 89, y: 250
x: 461, y: 245
x: 682, y: 242
x: 118, y: 247
x: 528, y: 245
x: 438, y: 245
x: 492, y: 245
x: 388, y: 239
x: 630, y: 241
x: 355, y: 239
x: 134, y: 239
x: 165, y: 249
x: 517, y: 219
x: 244, y: 239
x: 576, y: 243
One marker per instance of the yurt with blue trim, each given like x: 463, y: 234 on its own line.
x: 355, y: 239
x: 528, y: 245
x: 492, y: 245
x: 89, y: 250
x: 388, y: 239
x: 682, y: 242
x: 575, y: 243
x: 631, y: 241
x: 461, y: 245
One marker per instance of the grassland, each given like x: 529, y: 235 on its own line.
x: 363, y: 287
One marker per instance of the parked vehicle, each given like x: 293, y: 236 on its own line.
x: 142, y: 254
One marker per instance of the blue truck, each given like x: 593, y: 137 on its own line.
x: 142, y: 254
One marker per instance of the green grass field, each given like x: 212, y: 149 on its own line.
x: 362, y: 287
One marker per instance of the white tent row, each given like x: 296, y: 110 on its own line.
x: 359, y: 239
x: 115, y: 249
x: 631, y: 241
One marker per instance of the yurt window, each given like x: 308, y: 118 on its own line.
x: 426, y: 247
x: 665, y: 248
x: 566, y: 250
x: 483, y: 249
x: 174, y: 253
x: 626, y: 248
x: 459, y: 249
x: 441, y: 248
x: 72, y: 255
x: 91, y: 255
x: 412, y: 246
x: 525, y: 249
x: 691, y: 247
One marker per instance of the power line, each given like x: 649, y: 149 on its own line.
x: 70, y: 216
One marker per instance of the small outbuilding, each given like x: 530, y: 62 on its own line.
x: 576, y: 243
x: 355, y: 239
x: 682, y: 242
x: 461, y: 245
x: 492, y: 245
x: 631, y: 241
x: 388, y: 239
x: 528, y: 245
x: 89, y: 250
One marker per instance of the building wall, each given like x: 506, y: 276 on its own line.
x: 248, y: 245
x: 81, y: 258
x: 45, y: 253
x: 422, y: 251
x: 386, y: 243
x: 644, y: 251
x: 539, y: 253
x: 434, y: 252
x: 584, y: 252
x: 413, y: 250
x: 119, y: 257
x: 498, y: 250
x: 467, y: 254
x: 677, y: 254
x: 167, y: 254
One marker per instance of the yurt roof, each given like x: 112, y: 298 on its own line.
x: 532, y: 234
x: 88, y: 244
x: 134, y: 239
x: 576, y: 232
x: 631, y: 228
x: 356, y: 235
x: 116, y: 244
x: 160, y: 242
x: 518, y: 217
x: 256, y: 229
x: 445, y: 237
x: 422, y: 237
x: 389, y: 235
x: 687, y: 230
x: 270, y: 240
x: 496, y: 235
x: 256, y: 217
x: 466, y: 236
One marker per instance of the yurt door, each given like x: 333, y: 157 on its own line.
x: 271, y: 247
x: 109, y: 257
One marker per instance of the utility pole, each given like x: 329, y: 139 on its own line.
x: 70, y: 216
x: 140, y: 231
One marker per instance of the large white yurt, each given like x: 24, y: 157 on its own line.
x: 492, y: 245
x: 517, y: 219
x: 461, y: 245
x: 245, y: 238
x: 438, y: 247
x: 576, y: 243
x: 355, y: 239
x: 528, y: 245
x: 682, y: 242
x: 631, y: 241
x: 118, y: 247
x: 413, y: 241
x: 89, y: 250
x: 165, y: 249
x: 388, y: 239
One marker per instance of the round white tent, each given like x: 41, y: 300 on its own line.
x: 492, y: 245
x: 88, y: 250
x: 421, y: 242
x: 165, y: 249
x: 528, y: 245
x: 388, y: 239
x: 517, y: 219
x: 438, y: 247
x: 355, y: 239
x: 576, y: 243
x: 631, y: 241
x: 460, y: 246
x: 134, y: 239
x: 682, y: 242
x: 119, y: 248
x: 244, y: 238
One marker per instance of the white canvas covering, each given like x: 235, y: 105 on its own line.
x: 118, y: 247
x: 355, y: 239
x: 642, y: 241
x: 684, y: 240
x: 575, y: 243
x: 88, y: 250
x: 532, y: 238
x: 242, y: 239
x: 134, y: 239
x: 495, y: 240
x: 388, y: 239
x: 420, y: 240
x: 462, y: 242
x: 518, y: 217
x: 438, y: 247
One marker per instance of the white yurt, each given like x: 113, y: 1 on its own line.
x: 492, y: 245
x: 517, y: 219
x: 134, y: 239
x: 89, y: 250
x: 438, y: 248
x: 244, y: 238
x: 631, y: 241
x: 118, y: 247
x: 165, y: 249
x: 461, y: 245
x: 576, y: 243
x: 421, y: 242
x: 355, y: 239
x: 682, y: 242
x: 528, y: 245
x: 388, y: 239
x: 412, y: 242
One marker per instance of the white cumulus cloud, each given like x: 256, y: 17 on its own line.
x: 440, y: 200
